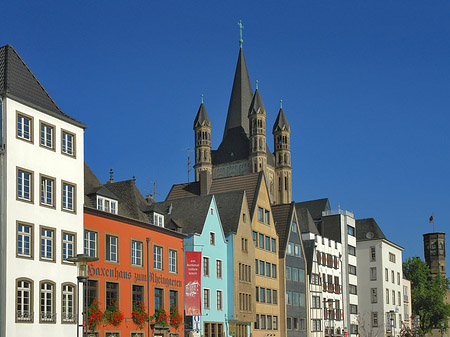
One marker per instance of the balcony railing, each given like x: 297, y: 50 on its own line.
x: 24, y: 316
x: 47, y: 316
x: 68, y: 318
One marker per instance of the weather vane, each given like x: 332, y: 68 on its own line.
x: 202, y: 98
x: 240, y: 33
x: 281, y: 104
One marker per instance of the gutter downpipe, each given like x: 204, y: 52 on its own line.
x: 2, y: 226
x: 148, y: 283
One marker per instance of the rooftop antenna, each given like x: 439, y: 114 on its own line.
x: 154, y: 182
x: 188, y: 162
x: 241, y: 41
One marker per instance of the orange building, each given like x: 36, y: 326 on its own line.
x: 139, y: 259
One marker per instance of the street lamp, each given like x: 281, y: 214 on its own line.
x: 82, y: 260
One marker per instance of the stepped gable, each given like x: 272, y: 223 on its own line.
x: 248, y: 182
x: 315, y: 207
x: 19, y: 83
x: 282, y: 215
x: 306, y: 221
x: 368, y: 229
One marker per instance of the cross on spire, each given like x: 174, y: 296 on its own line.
x: 240, y: 33
x: 281, y: 104
x: 202, y: 98
x: 256, y: 84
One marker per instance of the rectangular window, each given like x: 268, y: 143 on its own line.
x: 393, y: 297
x: 351, y: 250
x: 351, y: 269
x: 386, y: 274
x: 137, y: 293
x: 274, y: 270
x: 24, y: 127
x: 47, y: 135
x: 244, y: 244
x: 387, y: 296
x: 255, y: 238
x: 268, y: 269
x: 297, y: 251
x: 274, y: 296
x: 353, y: 309
x: 24, y: 311
x: 274, y: 245
x: 257, y: 322
x: 315, y: 302
x: 260, y: 214
x: 301, y: 275
x: 350, y: 230
x: 136, y: 253
x: 263, y: 322
x: 301, y: 299
x: 288, y: 297
x: 24, y: 240
x: 173, y: 261
x: 275, y: 322
x: 269, y: 322
x: 47, y: 191
x: 261, y: 268
x: 315, y: 279
x: 392, y: 257
x: 68, y: 143
x: 112, y: 246
x: 269, y: 295
x: 289, y: 323
x: 399, y: 303
x: 206, y: 298
x: 290, y: 250
x: 24, y: 185
x: 47, y: 306
x: 68, y: 197
x: 288, y: 273
x: 219, y: 268
x: 212, y: 238
x: 373, y: 255
x: 219, y: 300
x: 47, y: 244
x: 373, y: 273
x: 68, y: 245
x: 353, y: 289
x: 302, y: 324
x: 158, y: 220
x: 262, y: 295
x: 158, y: 257
x: 267, y: 243
x: 205, y: 266
x: 173, y: 299
x: 316, y: 325
x: 266, y: 217
x: 398, y: 278
x: 261, y: 241
x: 294, y: 298
x: 392, y: 276
x: 90, y: 243
x: 373, y: 295
x: 374, y: 319
x: 68, y: 303
x: 91, y: 291
x: 295, y: 274
x: 159, y: 298
x: 112, y: 294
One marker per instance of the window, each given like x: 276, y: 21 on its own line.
x: 112, y: 294
x: 373, y: 273
x: 373, y: 256
x: 159, y: 298
x: 261, y: 241
x: 274, y: 270
x: 399, y: 303
x: 47, y: 135
x: 173, y: 299
x: 261, y: 268
x: 47, y: 191
x: 24, y: 185
x: 315, y: 279
x: 351, y: 269
x: 212, y: 238
x: 112, y: 247
x: 316, y: 325
x: 47, y: 244
x: 353, y: 289
x: 294, y: 298
x: 158, y: 257
x: 257, y: 322
x: 373, y: 295
x: 297, y: 250
x: 274, y: 245
x: 275, y: 322
x: 47, y: 306
x: 219, y: 268
x: 351, y: 250
x: 398, y: 278
x: 353, y: 329
x: 374, y: 319
x: 263, y: 322
x: 136, y: 253
x: 392, y: 276
x: 25, y: 240
x: 255, y: 238
x: 92, y: 291
x: 301, y: 275
x: 302, y: 324
x: 274, y: 296
x: 206, y: 298
x: 25, y: 127
x: 301, y: 299
x: 219, y: 300
x: 260, y: 214
x: 244, y: 244
x: 107, y: 205
x: 350, y: 230
x: 256, y: 266
x: 294, y: 227
x: 315, y: 302
x: 290, y: 250
x: 295, y: 274
x: 353, y: 309
x: 137, y: 293
x: 68, y: 303
x: 268, y: 295
x: 158, y: 220
x: 387, y: 296
x: 267, y: 243
x: 288, y: 297
x: 267, y: 269
x: 266, y: 217
x: 24, y: 301
x: 386, y: 274
x: 392, y: 257
x: 205, y: 266
x: 68, y: 194
x: 173, y: 261
x: 262, y: 295
x: 90, y: 243
x: 269, y: 322
x: 393, y: 297
x: 68, y: 143
x: 288, y: 273
x: 68, y: 245
x: 289, y: 323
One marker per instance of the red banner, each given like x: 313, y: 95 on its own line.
x: 193, y: 286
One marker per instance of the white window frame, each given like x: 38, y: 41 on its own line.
x: 24, y: 185
x: 47, y: 302
x: 68, y: 245
x: 68, y: 143
x: 68, y: 197
x: 24, y: 238
x: 68, y: 314
x: 107, y: 205
x: 47, y: 197
x: 212, y: 238
x: 89, y: 238
x: 136, y: 253
x: 219, y: 300
x: 24, y: 300
x: 158, y: 219
x: 24, y: 127
x: 112, y: 242
x: 173, y: 261
x: 47, y: 244
x: 47, y: 135
x: 158, y: 257
x: 205, y: 266
x: 219, y: 270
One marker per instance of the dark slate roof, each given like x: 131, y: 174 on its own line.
x: 229, y: 205
x: 281, y: 123
x: 257, y: 105
x: 282, y: 215
x: 306, y: 221
x: 308, y: 247
x: 90, y: 180
x: 368, y: 229
x: 189, y: 214
x: 202, y: 118
x: 103, y: 191
x: 181, y: 191
x: 234, y: 146
x: 19, y: 83
x: 315, y: 207
x: 241, y: 97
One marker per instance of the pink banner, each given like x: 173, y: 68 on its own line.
x: 193, y: 286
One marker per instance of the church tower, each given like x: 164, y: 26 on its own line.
x: 202, y: 132
x: 434, y: 251
x: 282, y: 150
x: 257, y: 136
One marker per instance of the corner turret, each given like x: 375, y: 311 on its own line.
x: 202, y: 132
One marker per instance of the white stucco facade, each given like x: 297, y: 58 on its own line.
x: 41, y: 204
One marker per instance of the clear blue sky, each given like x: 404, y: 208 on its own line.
x: 365, y: 87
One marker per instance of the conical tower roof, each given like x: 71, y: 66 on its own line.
x: 202, y: 117
x: 257, y: 105
x: 281, y: 122
x: 241, y: 97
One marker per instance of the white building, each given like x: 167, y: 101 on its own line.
x: 41, y: 205
x: 380, y: 281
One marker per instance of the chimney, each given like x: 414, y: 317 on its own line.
x: 205, y: 182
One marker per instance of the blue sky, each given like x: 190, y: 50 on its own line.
x: 365, y: 87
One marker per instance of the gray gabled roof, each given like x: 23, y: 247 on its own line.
x: 202, y: 118
x: 315, y: 207
x: 368, y: 229
x: 257, y: 105
x: 281, y: 123
x: 306, y: 221
x: 309, y: 247
x: 234, y: 147
x: 19, y: 83
x: 104, y: 192
x: 229, y: 205
x: 241, y: 97
x: 282, y: 215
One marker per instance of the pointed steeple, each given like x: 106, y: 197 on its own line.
x: 281, y: 123
x: 257, y: 105
x: 202, y: 118
x: 241, y: 97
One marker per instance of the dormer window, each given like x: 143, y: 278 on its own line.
x: 158, y: 220
x: 106, y: 205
